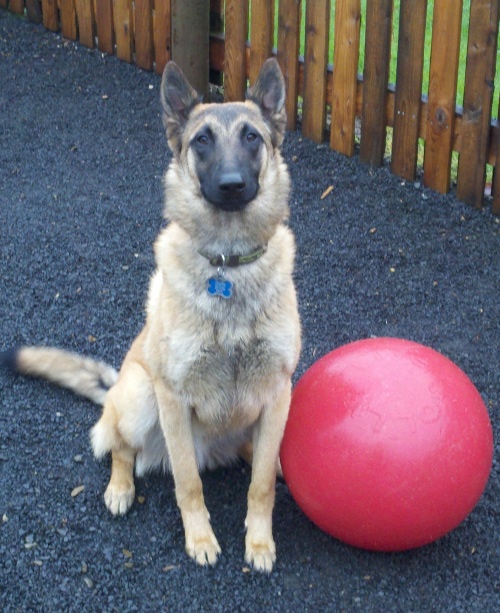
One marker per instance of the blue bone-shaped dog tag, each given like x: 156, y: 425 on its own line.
x: 220, y: 287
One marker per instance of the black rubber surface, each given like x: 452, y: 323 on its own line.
x: 81, y: 158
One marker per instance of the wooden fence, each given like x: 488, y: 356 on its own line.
x: 334, y: 96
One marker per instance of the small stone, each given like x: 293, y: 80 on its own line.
x: 78, y: 458
x: 77, y: 490
x: 88, y: 582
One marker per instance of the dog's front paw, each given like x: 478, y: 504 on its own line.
x: 119, y: 498
x: 204, y: 550
x: 260, y: 555
x: 201, y: 544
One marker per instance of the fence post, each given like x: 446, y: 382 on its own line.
x: 495, y: 207
x: 50, y: 15
x: 261, y: 35
x: 34, y: 10
x: 408, y: 96
x: 144, y: 34
x: 105, y: 28
x: 235, y: 60
x: 375, y: 79
x: 478, y: 95
x: 67, y: 12
x: 16, y: 6
x: 446, y: 30
x: 86, y: 22
x: 315, y: 65
x: 190, y: 48
x: 288, y: 54
x: 162, y: 34
x: 345, y: 75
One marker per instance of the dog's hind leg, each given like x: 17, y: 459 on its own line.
x: 106, y: 437
x: 246, y: 454
x: 120, y: 493
x: 130, y: 412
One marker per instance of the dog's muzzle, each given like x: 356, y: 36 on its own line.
x: 231, y: 191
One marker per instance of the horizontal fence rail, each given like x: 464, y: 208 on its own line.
x: 334, y: 102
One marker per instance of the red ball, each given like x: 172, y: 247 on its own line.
x: 388, y: 444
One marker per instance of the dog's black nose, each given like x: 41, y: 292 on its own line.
x: 231, y: 182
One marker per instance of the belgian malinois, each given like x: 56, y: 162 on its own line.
x: 209, y: 376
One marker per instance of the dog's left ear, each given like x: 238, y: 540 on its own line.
x: 268, y: 92
x: 178, y: 99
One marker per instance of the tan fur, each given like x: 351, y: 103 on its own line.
x: 207, y: 378
x: 84, y: 376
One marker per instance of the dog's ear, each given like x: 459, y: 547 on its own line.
x: 268, y: 92
x: 178, y: 99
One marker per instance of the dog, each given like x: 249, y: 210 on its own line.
x: 208, y: 378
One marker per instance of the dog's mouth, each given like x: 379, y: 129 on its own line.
x: 230, y: 206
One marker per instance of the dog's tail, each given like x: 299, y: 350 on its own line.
x: 84, y: 376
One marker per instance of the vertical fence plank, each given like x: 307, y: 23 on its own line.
x: 235, y: 80
x: 86, y: 22
x: 143, y: 32
x: 162, y: 25
x: 315, y: 64
x: 16, y: 6
x: 124, y: 33
x: 67, y: 14
x: 289, y: 15
x: 375, y: 81
x: 345, y: 75
x: 105, y: 28
x: 190, y: 30
x: 495, y: 207
x: 3, y: 4
x: 50, y: 15
x: 478, y: 94
x: 408, y: 96
x: 34, y: 11
x: 261, y: 35
x: 446, y: 29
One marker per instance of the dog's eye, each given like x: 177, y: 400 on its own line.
x: 251, y: 137
x: 202, y: 139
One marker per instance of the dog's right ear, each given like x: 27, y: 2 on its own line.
x: 178, y: 99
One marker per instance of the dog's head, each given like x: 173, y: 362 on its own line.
x: 224, y: 153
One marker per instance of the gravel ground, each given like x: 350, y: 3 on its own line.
x: 81, y: 158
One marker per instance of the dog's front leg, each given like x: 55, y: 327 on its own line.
x: 260, y: 547
x: 175, y: 420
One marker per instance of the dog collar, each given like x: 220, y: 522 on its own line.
x: 233, y: 261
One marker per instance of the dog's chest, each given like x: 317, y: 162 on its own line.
x: 229, y: 382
